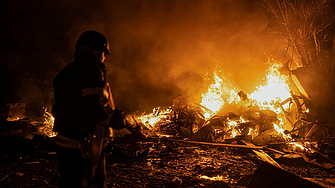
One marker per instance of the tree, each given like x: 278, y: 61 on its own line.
x: 308, y: 26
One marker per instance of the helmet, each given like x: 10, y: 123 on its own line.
x: 93, y: 40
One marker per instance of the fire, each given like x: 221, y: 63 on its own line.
x: 220, y: 93
x: 234, y: 98
x: 214, y: 178
x: 281, y: 131
x: 152, y: 119
x: 266, y: 96
x: 275, y: 90
x: 212, y: 99
x: 298, y: 146
x: 253, y: 132
x: 13, y: 119
x: 233, y: 126
x: 269, y: 95
x: 16, y: 111
x: 48, y: 122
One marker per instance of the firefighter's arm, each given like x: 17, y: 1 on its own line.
x: 100, y: 99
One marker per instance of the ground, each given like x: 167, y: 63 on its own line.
x: 156, y: 163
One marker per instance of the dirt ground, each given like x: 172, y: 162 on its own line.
x: 163, y: 163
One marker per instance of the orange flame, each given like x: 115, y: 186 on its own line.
x: 233, y: 126
x: 266, y: 96
x: 269, y: 95
x: 218, y: 93
x: 152, y: 119
x: 48, y: 122
x: 253, y: 132
x: 212, y: 99
x: 299, y: 146
x: 275, y: 90
x: 214, y: 178
x: 280, y: 131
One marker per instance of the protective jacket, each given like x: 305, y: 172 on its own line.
x: 82, y: 97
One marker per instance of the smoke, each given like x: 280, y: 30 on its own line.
x: 160, y: 49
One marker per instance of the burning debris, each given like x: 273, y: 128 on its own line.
x: 274, y: 117
x: 48, y: 122
x: 272, y: 109
x: 19, y: 125
x: 16, y: 111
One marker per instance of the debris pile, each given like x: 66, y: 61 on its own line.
x: 278, y: 119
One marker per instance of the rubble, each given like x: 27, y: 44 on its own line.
x: 160, y: 162
x: 250, y: 134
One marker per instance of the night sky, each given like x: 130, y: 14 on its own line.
x: 160, y: 49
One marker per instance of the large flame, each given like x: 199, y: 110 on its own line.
x: 276, y: 89
x: 219, y: 93
x: 272, y: 93
x: 212, y: 99
x: 267, y: 96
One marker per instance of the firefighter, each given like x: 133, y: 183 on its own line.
x: 83, y: 112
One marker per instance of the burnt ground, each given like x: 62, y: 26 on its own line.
x: 158, y: 163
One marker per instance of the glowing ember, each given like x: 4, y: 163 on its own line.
x: 152, y: 119
x: 48, y: 122
x: 298, y: 146
x: 215, y: 178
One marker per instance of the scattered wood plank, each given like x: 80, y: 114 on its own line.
x: 218, y: 144
x: 266, y: 158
